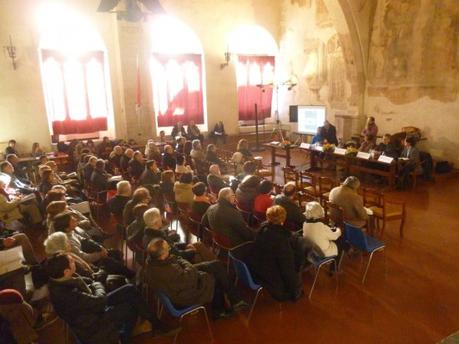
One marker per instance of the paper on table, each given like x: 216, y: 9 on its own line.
x: 363, y: 155
x: 385, y: 159
x: 340, y: 151
x: 305, y: 145
x: 319, y: 148
x: 11, y: 259
x: 274, y: 142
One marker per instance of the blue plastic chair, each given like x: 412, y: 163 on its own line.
x: 243, y: 274
x: 318, y: 262
x: 181, y: 313
x: 365, y: 243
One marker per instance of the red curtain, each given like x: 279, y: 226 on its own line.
x: 255, y: 86
x: 75, y: 92
x: 177, y: 88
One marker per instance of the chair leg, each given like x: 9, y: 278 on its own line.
x: 314, y: 283
x: 208, y: 324
x: 368, y: 265
x: 253, y: 303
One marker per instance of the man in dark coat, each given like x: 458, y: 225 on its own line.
x: 94, y: 315
x: 215, y: 180
x: 295, y: 216
x: 187, y: 284
x: 329, y: 133
x: 151, y: 175
x: 226, y: 220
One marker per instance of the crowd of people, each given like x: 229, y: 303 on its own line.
x: 89, y: 285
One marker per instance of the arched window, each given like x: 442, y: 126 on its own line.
x: 177, y: 73
x: 256, y: 50
x: 74, y: 73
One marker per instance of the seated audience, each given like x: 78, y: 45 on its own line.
x: 168, y: 161
x: 318, y: 137
x: 193, y: 132
x: 151, y: 174
x: 19, y: 170
x: 329, y: 133
x: 47, y: 181
x: 89, y: 169
x: 225, y: 219
x: 20, y: 239
x: 264, y: 199
x: 115, y: 157
x: 187, y: 284
x: 152, y: 152
x: 36, y: 150
x: 346, y: 196
x: 211, y: 155
x: 180, y: 145
x: 125, y: 159
x: 178, y: 130
x: 136, y: 230
x: 103, y: 145
x: 11, y: 148
x: 246, y: 192
x: 286, y: 199
x: 123, y: 195
x: 94, y: 315
x: 197, y: 153
x: 182, y: 189
x: 136, y: 165
x: 243, y: 148
x: 181, y: 166
x: 13, y: 182
x: 167, y: 185
x: 215, y: 179
x: 218, y: 133
x: 201, y: 201
x: 248, y: 169
x: 278, y: 257
x: 99, y: 177
x: 140, y: 195
x: 318, y: 233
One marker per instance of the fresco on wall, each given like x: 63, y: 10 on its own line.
x: 336, y: 73
x: 301, y: 3
x: 322, y: 17
x: 414, y: 50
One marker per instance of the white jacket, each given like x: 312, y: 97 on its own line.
x: 321, y: 235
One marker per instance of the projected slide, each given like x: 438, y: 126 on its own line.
x: 310, y: 118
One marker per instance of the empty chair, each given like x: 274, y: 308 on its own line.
x: 326, y: 184
x: 365, y: 243
x: 290, y: 175
x: 308, y: 183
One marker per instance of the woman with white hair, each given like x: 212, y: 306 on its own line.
x: 123, y: 195
x: 319, y: 233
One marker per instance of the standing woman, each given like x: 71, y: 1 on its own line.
x: 370, y: 129
x: 243, y: 148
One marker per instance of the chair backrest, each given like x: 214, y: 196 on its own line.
x: 335, y: 213
x: 290, y: 175
x: 326, y: 184
x: 195, y: 225
x: 355, y: 237
x: 372, y: 197
x: 82, y: 207
x: 222, y: 241
x: 307, y: 179
x: 243, y: 273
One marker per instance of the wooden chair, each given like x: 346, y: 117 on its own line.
x: 263, y: 171
x: 334, y: 214
x: 326, y: 184
x: 308, y: 183
x: 290, y: 175
x: 384, y: 210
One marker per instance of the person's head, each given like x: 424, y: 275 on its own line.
x: 12, y: 159
x: 105, y: 139
x: 43, y: 159
x: 180, y: 159
x: 369, y: 138
x: 249, y: 167
x: 47, y: 176
x: 6, y: 167
x: 227, y: 194
x: 386, y: 138
x: 151, y: 165
x: 138, y: 156
x: 59, y: 187
x: 55, y: 207
x: 129, y: 153
x: 162, y: 133
x: 12, y: 143
x: 191, y: 122
x: 168, y: 149
x: 60, y: 266
x: 179, y: 124
x: 319, y: 131
x: 56, y: 242
x: 196, y: 144
x: 237, y: 157
x: 118, y: 150
x: 199, y: 189
x: 370, y: 120
x: 90, y: 143
x: 186, y: 178
x: 141, y: 195
x: 242, y: 144
x: 352, y: 183
x: 276, y: 215
x: 410, y: 141
x: 265, y: 186
x: 289, y: 189
x: 152, y: 218
x: 100, y: 165
x: 326, y: 124
x: 314, y: 211
x: 211, y: 148
x: 214, y: 169
x: 55, y: 195
x: 167, y: 176
x: 158, y: 249
x: 35, y: 147
x: 65, y: 222
x: 123, y: 188
x: 139, y: 209
x: 92, y: 161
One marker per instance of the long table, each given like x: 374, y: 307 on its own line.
x: 277, y: 150
x: 354, y: 164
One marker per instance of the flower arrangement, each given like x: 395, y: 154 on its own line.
x: 351, y: 151
x: 286, y: 143
x: 328, y: 147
